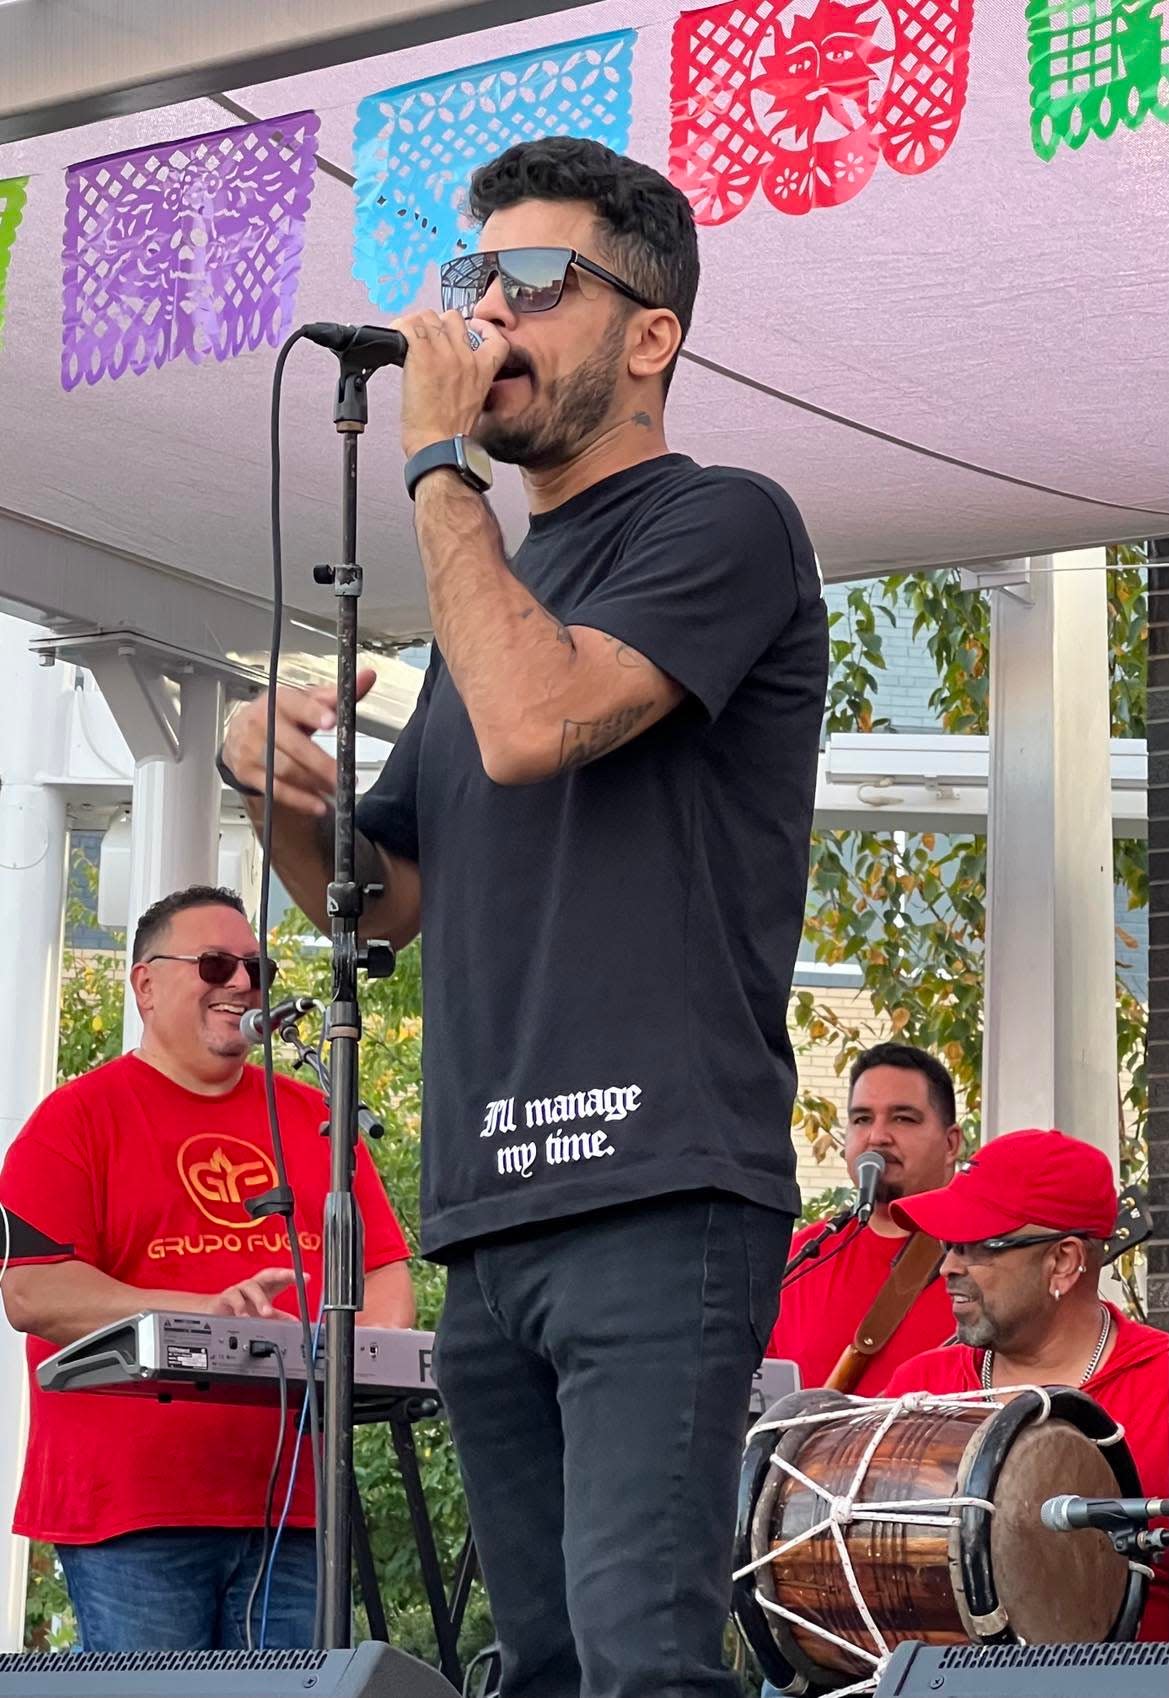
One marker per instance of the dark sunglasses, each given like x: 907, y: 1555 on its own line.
x: 217, y: 966
x: 986, y: 1249
x: 532, y: 279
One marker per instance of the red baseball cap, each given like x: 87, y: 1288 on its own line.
x: 1019, y: 1179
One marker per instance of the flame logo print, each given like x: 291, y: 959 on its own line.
x: 220, y: 1173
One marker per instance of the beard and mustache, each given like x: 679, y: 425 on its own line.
x: 573, y: 410
x: 974, y: 1327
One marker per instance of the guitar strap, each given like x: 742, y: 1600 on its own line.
x: 915, y: 1265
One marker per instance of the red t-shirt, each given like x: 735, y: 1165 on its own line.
x: 147, y: 1181
x: 1133, y: 1386
x: 823, y: 1306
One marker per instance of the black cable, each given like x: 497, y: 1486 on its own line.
x: 270, y: 1494
x: 266, y: 986
x: 845, y: 1239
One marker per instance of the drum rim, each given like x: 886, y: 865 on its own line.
x: 749, y: 1615
x: 777, y: 1644
x: 971, y: 1573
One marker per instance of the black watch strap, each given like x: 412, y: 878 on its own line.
x: 440, y: 454
x: 229, y: 778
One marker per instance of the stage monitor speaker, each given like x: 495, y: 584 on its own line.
x: 1026, y: 1671
x: 369, y: 1671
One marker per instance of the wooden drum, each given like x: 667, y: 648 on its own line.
x: 954, y: 1573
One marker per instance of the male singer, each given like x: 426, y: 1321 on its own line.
x: 599, y: 815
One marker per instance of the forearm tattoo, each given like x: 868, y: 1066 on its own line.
x: 581, y: 741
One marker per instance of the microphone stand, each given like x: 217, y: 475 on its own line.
x: 812, y: 1248
x: 343, y: 1248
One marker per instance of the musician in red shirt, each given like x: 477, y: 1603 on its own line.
x: 1024, y: 1228
x: 900, y: 1102
x: 127, y: 1190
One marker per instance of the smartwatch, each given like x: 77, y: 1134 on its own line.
x: 463, y: 453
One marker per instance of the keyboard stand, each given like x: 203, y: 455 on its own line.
x: 367, y: 1584
x: 446, y: 1612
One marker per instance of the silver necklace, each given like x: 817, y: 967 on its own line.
x: 1101, y: 1344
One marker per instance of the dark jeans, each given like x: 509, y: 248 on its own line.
x: 186, y: 1589
x: 597, y: 1376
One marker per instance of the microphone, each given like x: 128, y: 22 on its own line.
x: 1065, y: 1514
x: 372, y: 344
x: 869, y: 1169
x: 252, y: 1024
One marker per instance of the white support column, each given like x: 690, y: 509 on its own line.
x: 175, y: 816
x: 32, y: 897
x: 1049, y: 1056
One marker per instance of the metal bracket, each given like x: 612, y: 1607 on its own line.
x: 346, y: 580
x: 1013, y: 577
x: 140, y: 701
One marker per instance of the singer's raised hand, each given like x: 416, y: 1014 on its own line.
x: 445, y: 381
x: 304, y: 776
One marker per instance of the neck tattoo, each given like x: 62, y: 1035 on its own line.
x: 1094, y: 1362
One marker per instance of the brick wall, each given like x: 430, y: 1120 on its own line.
x: 816, y: 1073
x: 910, y: 677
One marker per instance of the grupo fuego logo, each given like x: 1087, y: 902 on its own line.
x: 221, y: 1174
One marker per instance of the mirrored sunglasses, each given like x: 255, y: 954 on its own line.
x: 218, y: 966
x: 532, y: 279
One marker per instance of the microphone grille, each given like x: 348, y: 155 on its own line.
x: 1054, y: 1514
x: 474, y: 340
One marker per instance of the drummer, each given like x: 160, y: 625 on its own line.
x: 1024, y: 1229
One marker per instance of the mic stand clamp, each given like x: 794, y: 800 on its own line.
x: 308, y: 1055
x: 1140, y: 1541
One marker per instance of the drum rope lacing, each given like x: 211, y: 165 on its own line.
x: 847, y: 1507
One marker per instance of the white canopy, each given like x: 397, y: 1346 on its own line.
x: 958, y: 365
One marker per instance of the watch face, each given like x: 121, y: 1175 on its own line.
x: 477, y: 460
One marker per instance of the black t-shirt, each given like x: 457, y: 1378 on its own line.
x: 607, y: 956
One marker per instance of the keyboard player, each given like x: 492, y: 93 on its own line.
x: 127, y: 1190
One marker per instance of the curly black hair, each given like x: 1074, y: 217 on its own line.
x: 645, y: 224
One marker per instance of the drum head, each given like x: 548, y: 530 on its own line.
x: 1062, y: 1587
x: 1031, y: 1584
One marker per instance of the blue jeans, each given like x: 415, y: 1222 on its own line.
x: 186, y: 1589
